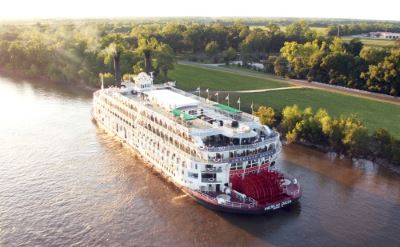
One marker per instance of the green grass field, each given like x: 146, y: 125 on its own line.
x: 375, y: 114
x: 319, y: 30
x: 189, y: 78
x: 372, y: 42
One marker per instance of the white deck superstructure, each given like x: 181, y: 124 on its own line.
x: 199, y: 144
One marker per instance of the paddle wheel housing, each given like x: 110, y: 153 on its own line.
x: 264, y: 187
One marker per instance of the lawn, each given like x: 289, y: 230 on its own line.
x: 320, y: 30
x: 372, y: 42
x: 189, y: 78
x: 375, y: 114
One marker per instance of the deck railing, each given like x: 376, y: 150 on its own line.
x: 244, y: 146
x: 251, y: 202
x: 242, y: 158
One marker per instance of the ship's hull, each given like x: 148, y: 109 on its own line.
x: 255, y: 210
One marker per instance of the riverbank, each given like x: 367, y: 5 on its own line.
x: 17, y: 75
x: 356, y: 160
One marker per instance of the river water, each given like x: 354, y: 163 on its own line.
x: 64, y: 182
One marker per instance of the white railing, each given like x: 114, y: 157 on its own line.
x: 244, y: 146
x: 252, y: 203
x: 242, y: 158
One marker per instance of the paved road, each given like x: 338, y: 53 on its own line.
x: 299, y: 83
x: 261, y: 90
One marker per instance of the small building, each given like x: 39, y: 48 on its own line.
x: 384, y: 35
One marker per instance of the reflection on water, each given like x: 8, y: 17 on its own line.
x: 63, y: 181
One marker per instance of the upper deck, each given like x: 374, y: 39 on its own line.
x: 200, y: 117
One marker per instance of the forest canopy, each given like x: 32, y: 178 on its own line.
x: 81, y: 50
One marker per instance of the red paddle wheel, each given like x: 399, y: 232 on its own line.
x: 264, y: 187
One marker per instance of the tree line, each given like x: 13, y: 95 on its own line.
x: 80, y: 51
x: 362, y: 28
x: 345, y: 64
x: 343, y: 135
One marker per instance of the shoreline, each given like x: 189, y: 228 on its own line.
x: 323, y: 149
x: 17, y: 76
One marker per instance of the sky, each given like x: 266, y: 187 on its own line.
x: 77, y: 9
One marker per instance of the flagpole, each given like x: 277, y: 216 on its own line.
x: 199, y: 91
x: 208, y: 94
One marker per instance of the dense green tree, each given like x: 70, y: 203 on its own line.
x: 228, y: 55
x: 300, y: 32
x: 276, y: 37
x: 266, y: 115
x: 385, y: 76
x: 212, y: 49
x: 339, y: 65
x: 116, y: 45
x: 354, y: 47
x: 172, y: 34
x: 194, y: 37
x: 280, y: 67
x: 304, y: 59
x: 219, y: 33
x: 269, y: 64
x: 381, y: 143
x: 165, y: 59
x: 373, y: 55
x: 146, y: 48
x: 291, y: 115
x: 256, y: 42
x: 236, y: 34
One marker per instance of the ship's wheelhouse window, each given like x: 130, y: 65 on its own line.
x: 219, y: 140
x: 209, y: 177
x: 193, y: 175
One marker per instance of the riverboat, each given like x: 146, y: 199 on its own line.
x: 220, y: 156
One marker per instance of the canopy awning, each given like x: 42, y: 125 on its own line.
x: 182, y: 114
x: 227, y: 108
